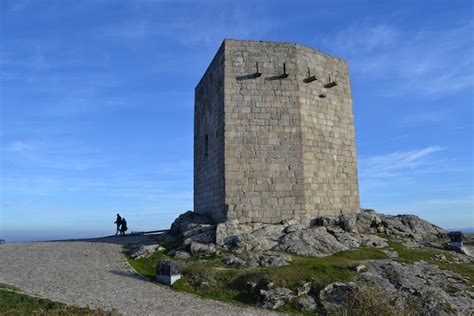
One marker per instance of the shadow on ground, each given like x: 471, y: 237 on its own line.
x: 118, y: 240
x: 129, y: 274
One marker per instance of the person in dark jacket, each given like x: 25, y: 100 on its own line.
x: 118, y: 222
x: 123, y: 227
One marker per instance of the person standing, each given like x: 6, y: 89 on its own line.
x: 123, y: 227
x: 118, y: 222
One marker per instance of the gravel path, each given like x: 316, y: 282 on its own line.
x: 96, y: 274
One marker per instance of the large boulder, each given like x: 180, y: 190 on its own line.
x: 334, y: 295
x: 369, y: 222
x: 306, y: 303
x: 373, y: 241
x: 248, y: 237
x: 350, y: 240
x: 273, y: 259
x: 348, y: 222
x: 201, y: 233
x: 275, y: 298
x: 234, y: 261
x: 227, y: 232
x: 145, y: 251
x: 412, y: 227
x: 200, y: 249
x: 406, y: 228
x: 313, y: 242
x: 187, y: 221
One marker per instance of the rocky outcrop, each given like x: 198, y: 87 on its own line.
x: 197, y: 249
x: 306, y: 303
x: 386, y: 283
x: 271, y: 259
x: 421, y: 286
x: 335, y: 294
x: 411, y: 229
x: 253, y: 260
x: 236, y: 237
x: 145, y: 251
x: 327, y: 236
x: 275, y: 298
x: 188, y: 221
x: 314, y: 242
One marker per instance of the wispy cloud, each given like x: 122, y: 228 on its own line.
x: 150, y: 199
x: 109, y: 187
x: 430, y: 62
x: 364, y: 39
x: 206, y: 26
x: 51, y: 155
x: 434, y: 116
x: 397, y: 163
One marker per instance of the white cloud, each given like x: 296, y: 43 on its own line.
x: 434, y: 116
x: 206, y: 24
x: 401, y: 62
x: 397, y: 163
x: 19, y: 147
x: 364, y: 39
x: 51, y: 155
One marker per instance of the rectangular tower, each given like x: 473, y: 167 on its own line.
x: 274, y: 135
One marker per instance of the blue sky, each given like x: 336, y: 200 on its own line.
x: 97, y: 104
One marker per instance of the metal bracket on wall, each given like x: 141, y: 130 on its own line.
x: 330, y: 83
x: 284, y: 75
x: 250, y: 76
x: 278, y: 77
x: 310, y: 78
x: 257, y: 73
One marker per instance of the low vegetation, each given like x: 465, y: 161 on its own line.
x: 13, y: 302
x: 210, y: 278
x: 370, y: 299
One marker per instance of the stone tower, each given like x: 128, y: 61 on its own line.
x: 274, y: 135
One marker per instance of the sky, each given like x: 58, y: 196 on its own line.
x: 97, y: 97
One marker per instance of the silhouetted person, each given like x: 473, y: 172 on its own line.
x: 123, y: 227
x: 118, y: 222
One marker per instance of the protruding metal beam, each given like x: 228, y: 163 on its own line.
x: 284, y: 75
x: 257, y: 73
x: 330, y: 83
x: 310, y: 78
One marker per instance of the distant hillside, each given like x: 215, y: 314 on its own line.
x: 464, y: 230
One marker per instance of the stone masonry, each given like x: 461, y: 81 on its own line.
x: 275, y: 143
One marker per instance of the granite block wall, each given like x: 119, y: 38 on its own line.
x: 209, y: 141
x: 329, y: 155
x: 284, y: 145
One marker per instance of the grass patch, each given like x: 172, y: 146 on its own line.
x: 322, y: 271
x: 408, y: 254
x: 9, y: 287
x: 14, y: 303
x: 411, y: 255
x: 147, y: 267
x: 210, y: 278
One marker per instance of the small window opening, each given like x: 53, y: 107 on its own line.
x: 206, y: 146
